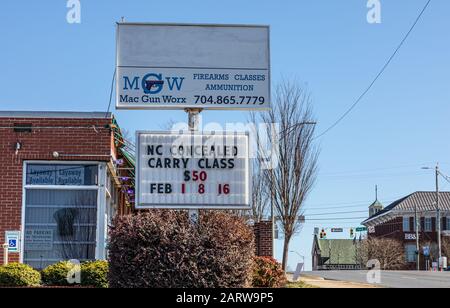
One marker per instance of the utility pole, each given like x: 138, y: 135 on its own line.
x: 438, y: 214
x: 438, y: 209
x: 417, y: 226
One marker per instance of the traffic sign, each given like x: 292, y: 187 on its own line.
x: 426, y: 251
x: 361, y: 229
x: 337, y: 230
x: 13, y: 241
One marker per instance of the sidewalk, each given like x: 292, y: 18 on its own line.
x: 334, y: 284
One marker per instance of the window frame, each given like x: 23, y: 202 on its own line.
x: 406, y: 219
x: 100, y: 187
x: 408, y: 254
x: 428, y: 224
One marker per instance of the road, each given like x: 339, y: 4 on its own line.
x: 394, y: 279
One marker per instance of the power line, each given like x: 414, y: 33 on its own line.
x: 317, y: 207
x: 363, y: 202
x: 447, y: 178
x: 337, y: 213
x: 370, y: 176
x: 379, y: 74
x: 345, y: 225
x: 338, y: 207
x: 367, y: 171
x: 336, y: 219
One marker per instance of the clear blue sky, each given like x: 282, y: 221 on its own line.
x: 403, y: 123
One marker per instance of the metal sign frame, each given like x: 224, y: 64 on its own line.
x: 196, y: 206
x: 190, y: 104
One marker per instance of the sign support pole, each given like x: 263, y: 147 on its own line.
x: 5, y: 253
x: 193, y: 123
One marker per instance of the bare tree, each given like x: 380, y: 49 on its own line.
x: 260, y: 196
x: 260, y: 193
x: 390, y: 253
x: 291, y: 180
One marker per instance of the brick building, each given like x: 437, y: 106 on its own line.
x: 63, y: 183
x: 400, y: 219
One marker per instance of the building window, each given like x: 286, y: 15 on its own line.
x: 428, y: 224
x: 60, y: 213
x: 62, y: 175
x: 447, y: 225
x: 410, y: 253
x: 406, y: 226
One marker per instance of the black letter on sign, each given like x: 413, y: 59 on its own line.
x: 168, y: 188
x: 151, y: 150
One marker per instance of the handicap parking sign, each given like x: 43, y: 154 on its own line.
x: 12, y: 243
x: 13, y: 240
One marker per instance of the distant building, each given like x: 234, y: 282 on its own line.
x: 334, y: 254
x: 375, y: 208
x: 398, y: 221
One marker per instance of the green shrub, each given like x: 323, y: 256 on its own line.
x: 56, y: 274
x: 94, y: 274
x: 19, y: 275
x: 268, y: 273
x: 163, y: 249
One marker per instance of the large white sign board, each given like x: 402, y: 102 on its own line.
x: 176, y: 66
x: 192, y: 171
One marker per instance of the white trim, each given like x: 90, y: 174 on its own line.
x: 58, y: 187
x: 100, y: 247
x: 62, y: 162
x: 381, y: 218
x: 55, y: 225
x: 177, y: 206
x: 58, y: 207
x: 22, y: 226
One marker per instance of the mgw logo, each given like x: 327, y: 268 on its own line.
x: 153, y: 83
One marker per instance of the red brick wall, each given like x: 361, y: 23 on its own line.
x: 263, y: 239
x: 394, y: 229
x: 40, y: 145
x: 391, y: 229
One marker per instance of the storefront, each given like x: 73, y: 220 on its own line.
x: 64, y: 182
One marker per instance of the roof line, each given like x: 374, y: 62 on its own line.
x: 56, y: 114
